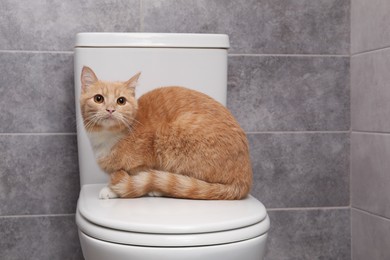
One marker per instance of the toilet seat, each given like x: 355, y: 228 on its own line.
x: 148, y: 221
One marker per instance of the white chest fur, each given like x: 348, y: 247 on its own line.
x: 102, y: 142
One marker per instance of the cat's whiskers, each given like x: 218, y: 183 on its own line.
x: 90, y: 125
x: 122, y: 119
x: 127, y: 124
x: 87, y: 123
x: 137, y: 121
x: 92, y: 121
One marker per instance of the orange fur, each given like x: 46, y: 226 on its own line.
x: 174, y: 141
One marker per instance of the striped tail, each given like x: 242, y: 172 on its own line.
x: 168, y: 184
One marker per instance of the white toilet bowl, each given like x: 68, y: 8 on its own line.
x: 151, y: 228
x: 160, y: 228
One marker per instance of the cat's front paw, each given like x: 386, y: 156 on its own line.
x: 107, y: 193
x: 155, y: 194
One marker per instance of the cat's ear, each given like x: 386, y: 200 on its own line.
x: 132, y: 83
x: 88, y: 78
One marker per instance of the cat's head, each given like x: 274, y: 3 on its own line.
x: 107, y: 105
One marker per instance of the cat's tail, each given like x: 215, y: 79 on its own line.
x: 161, y: 183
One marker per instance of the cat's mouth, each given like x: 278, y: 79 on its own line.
x: 109, y: 121
x: 109, y: 117
x: 105, y: 121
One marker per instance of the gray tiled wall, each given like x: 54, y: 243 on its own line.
x: 52, y: 25
x: 369, y: 25
x: 37, y: 93
x: 370, y: 236
x: 370, y: 94
x: 258, y: 26
x: 288, y: 86
x: 298, y: 170
x: 289, y: 93
x: 309, y: 234
x: 39, y: 237
x: 370, y: 141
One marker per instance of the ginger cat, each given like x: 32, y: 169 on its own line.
x: 172, y: 142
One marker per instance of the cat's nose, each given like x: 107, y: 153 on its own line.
x: 110, y: 111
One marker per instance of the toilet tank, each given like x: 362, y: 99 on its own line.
x: 195, y: 61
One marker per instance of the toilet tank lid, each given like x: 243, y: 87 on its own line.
x: 152, y: 40
x: 167, y: 215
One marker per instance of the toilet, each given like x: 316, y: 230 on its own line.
x: 158, y: 228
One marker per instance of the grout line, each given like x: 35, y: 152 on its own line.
x: 288, y: 55
x: 350, y: 169
x: 350, y: 128
x: 370, y: 51
x: 350, y: 136
x: 370, y: 132
x: 18, y: 134
x: 36, y: 52
x: 298, y: 132
x: 38, y: 215
x: 307, y: 208
x: 350, y: 13
x: 371, y: 213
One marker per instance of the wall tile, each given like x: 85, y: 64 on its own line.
x: 370, y: 93
x: 300, y: 170
x: 52, y: 25
x: 39, y: 238
x: 38, y: 174
x: 309, y: 234
x: 370, y: 180
x: 37, y: 93
x: 369, y: 25
x: 370, y: 236
x: 258, y: 26
x: 289, y: 93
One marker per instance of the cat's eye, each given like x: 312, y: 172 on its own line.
x: 98, y: 98
x: 121, y: 101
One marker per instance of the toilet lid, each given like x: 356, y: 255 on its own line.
x: 152, y: 40
x: 168, y: 215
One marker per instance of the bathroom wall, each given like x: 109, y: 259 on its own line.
x: 288, y: 87
x: 370, y: 140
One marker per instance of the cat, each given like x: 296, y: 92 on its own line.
x: 172, y: 141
